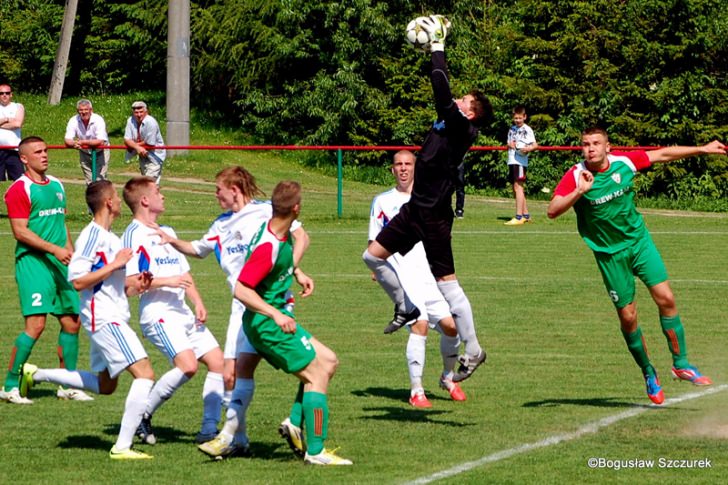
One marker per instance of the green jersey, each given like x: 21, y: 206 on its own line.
x: 43, y: 205
x: 606, y: 216
x: 269, y: 267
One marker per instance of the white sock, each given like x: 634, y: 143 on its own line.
x: 136, y: 403
x: 235, y: 422
x: 416, y: 359
x: 388, y: 280
x: 172, y: 380
x: 212, y: 395
x: 449, y: 348
x: 462, y: 313
x: 78, y: 379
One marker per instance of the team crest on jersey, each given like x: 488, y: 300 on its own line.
x: 617, y: 178
x: 60, y: 196
x: 238, y: 236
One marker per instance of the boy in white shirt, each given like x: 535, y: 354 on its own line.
x: 97, y: 271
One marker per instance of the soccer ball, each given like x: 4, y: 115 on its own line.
x: 417, y: 37
x: 520, y: 145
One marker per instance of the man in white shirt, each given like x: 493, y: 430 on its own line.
x: 86, y: 132
x: 12, y: 116
x: 141, y: 136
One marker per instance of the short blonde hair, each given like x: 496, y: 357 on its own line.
x: 135, y: 189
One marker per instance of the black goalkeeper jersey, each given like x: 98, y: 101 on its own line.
x: 446, y: 144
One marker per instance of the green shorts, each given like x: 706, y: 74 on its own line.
x: 43, y: 286
x: 290, y: 352
x: 642, y: 260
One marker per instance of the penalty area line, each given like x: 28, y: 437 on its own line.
x: 588, y: 428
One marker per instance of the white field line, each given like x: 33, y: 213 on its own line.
x: 588, y: 428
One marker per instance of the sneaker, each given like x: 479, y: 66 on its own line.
x: 72, y: 395
x: 205, y: 437
x: 219, y: 449
x: 654, y: 390
x: 468, y: 364
x: 401, y: 319
x: 326, y: 457
x: 293, y: 436
x: 127, y: 454
x: 13, y: 397
x: 516, y: 222
x: 456, y: 393
x: 26, y: 378
x: 419, y: 400
x: 145, y: 432
x: 459, y: 214
x: 691, y: 374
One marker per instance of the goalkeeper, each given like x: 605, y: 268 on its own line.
x: 428, y: 216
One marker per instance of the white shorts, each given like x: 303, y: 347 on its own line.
x: 176, y: 331
x: 235, y: 341
x: 115, y: 346
x: 419, y: 284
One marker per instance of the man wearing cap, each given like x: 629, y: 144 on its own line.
x: 11, y: 120
x: 141, y: 136
x: 86, y: 131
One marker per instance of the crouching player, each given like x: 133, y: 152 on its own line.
x: 262, y: 287
x: 97, y: 271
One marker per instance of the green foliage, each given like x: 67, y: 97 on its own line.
x: 340, y: 73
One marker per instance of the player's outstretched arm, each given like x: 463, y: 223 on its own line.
x: 184, y: 247
x: 669, y: 154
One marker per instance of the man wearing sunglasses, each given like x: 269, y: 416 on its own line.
x: 11, y: 120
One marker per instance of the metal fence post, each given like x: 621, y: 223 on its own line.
x: 340, y: 184
x: 93, y: 165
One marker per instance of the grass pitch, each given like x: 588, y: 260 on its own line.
x: 556, y: 360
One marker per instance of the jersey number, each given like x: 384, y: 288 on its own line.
x: 306, y: 343
x: 37, y: 297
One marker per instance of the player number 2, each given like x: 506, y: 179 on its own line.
x: 37, y: 297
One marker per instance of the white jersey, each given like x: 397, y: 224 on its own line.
x: 162, y: 260
x: 105, y: 302
x: 412, y: 269
x: 230, y: 234
x: 523, y: 136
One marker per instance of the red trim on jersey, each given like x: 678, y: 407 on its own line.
x: 639, y: 157
x: 18, y: 201
x: 567, y: 184
x: 93, y: 314
x: 258, y: 265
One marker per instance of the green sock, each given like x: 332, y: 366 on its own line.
x: 68, y: 350
x: 296, y: 415
x: 19, y: 356
x: 636, y: 346
x: 316, y: 414
x: 673, y: 329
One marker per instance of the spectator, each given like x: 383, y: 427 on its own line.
x: 141, y: 136
x: 11, y: 120
x: 521, y: 141
x: 86, y: 132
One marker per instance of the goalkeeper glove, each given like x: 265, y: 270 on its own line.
x: 436, y: 27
